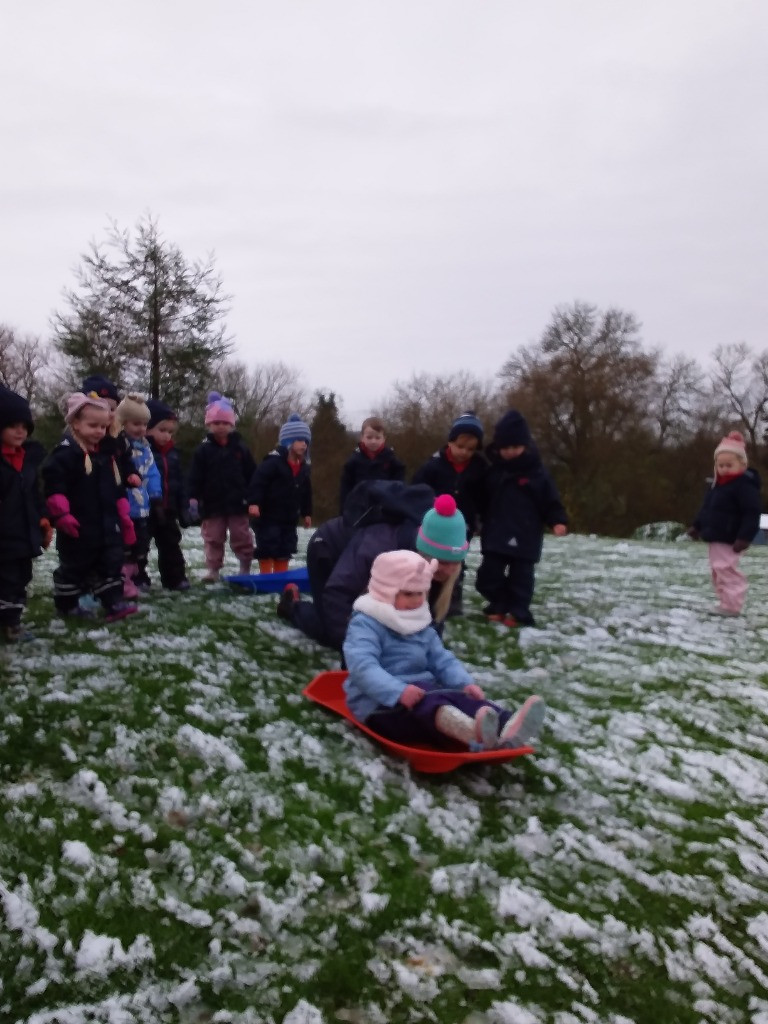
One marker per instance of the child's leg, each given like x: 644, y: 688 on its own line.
x: 71, y: 576
x: 288, y: 543
x: 519, y: 590
x: 241, y: 541
x: 214, y: 531
x: 170, y: 559
x: 141, y: 551
x: 109, y: 581
x: 15, y: 574
x: 491, y: 583
x: 729, y: 582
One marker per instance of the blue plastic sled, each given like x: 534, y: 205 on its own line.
x: 271, y: 582
x: 326, y: 689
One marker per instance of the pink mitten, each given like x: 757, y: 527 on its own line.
x: 127, y: 529
x: 58, y: 505
x: 411, y: 695
x: 69, y: 525
x: 475, y: 691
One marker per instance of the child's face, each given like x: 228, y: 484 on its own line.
x: 445, y: 570
x: 90, y: 425
x: 512, y: 451
x: 409, y: 600
x: 163, y: 431
x: 14, y: 435
x: 728, y: 464
x: 463, y: 448
x: 135, y: 429
x: 112, y: 406
x: 373, y: 439
x: 220, y: 429
x: 298, y: 450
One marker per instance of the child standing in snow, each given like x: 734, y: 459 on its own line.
x: 519, y: 500
x: 404, y: 685
x: 167, y: 517
x: 115, y: 442
x: 728, y: 520
x: 132, y: 415
x: 87, y: 504
x: 373, y: 459
x: 23, y: 527
x: 222, y: 467
x: 280, y: 494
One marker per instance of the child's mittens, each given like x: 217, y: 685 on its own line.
x: 474, y: 691
x: 740, y: 545
x: 58, y: 509
x: 559, y: 529
x: 411, y: 695
x: 46, y: 533
x: 127, y: 529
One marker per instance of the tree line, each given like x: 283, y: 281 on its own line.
x: 627, y: 432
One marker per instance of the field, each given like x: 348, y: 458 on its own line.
x: 186, y: 839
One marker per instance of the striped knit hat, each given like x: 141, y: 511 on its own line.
x: 294, y: 429
x: 443, y: 532
x: 467, y: 423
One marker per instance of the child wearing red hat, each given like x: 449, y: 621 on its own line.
x: 728, y: 521
x: 402, y: 681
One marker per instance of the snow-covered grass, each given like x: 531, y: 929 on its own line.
x: 185, y: 838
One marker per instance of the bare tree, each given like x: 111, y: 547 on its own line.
x: 24, y: 360
x: 678, y: 401
x: 740, y: 382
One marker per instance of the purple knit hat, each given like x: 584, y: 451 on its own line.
x: 219, y: 409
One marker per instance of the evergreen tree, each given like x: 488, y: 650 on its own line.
x: 330, y: 447
x: 145, y: 317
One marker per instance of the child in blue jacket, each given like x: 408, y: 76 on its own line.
x: 404, y: 684
x: 132, y: 415
x: 519, y: 500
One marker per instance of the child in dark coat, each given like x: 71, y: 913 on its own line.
x: 373, y: 459
x: 519, y: 500
x: 222, y: 467
x: 115, y: 442
x: 280, y: 494
x: 23, y: 526
x: 459, y: 469
x: 87, y: 504
x: 404, y: 684
x: 728, y: 520
x: 166, y: 518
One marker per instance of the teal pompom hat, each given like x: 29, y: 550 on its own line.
x: 443, y: 532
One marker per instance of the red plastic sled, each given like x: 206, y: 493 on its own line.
x: 326, y: 689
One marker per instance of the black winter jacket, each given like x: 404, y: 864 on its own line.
x: 281, y: 496
x: 92, y: 496
x: 174, y: 489
x: 466, y: 487
x: 384, y: 465
x: 731, y: 511
x: 21, y: 505
x: 519, y: 500
x: 219, y: 477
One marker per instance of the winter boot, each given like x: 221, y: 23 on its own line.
x: 487, y: 727
x: 130, y: 590
x: 121, y: 610
x: 288, y: 599
x: 245, y: 566
x: 281, y: 564
x: 266, y: 565
x: 523, y: 728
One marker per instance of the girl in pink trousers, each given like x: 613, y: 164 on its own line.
x: 728, y: 521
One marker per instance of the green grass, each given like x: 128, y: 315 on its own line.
x: 620, y: 876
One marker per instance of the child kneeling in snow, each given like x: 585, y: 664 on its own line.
x: 403, y: 683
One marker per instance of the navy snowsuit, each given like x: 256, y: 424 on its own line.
x: 731, y: 511
x: 282, y: 496
x: 219, y: 476
x: 466, y: 487
x: 21, y: 510
x: 165, y: 521
x: 519, y: 500
x: 360, y: 468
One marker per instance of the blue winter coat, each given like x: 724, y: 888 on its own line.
x: 382, y: 663
x: 281, y: 496
x: 384, y: 465
x: 151, y: 488
x: 519, y: 499
x: 731, y: 511
x: 21, y: 507
x: 466, y: 487
x: 219, y: 476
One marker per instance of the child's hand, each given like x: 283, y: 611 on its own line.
x: 134, y: 480
x: 474, y: 691
x: 307, y: 522
x: 411, y: 695
x: 68, y: 524
x: 740, y: 545
x: 46, y: 531
x: 254, y: 511
x: 559, y: 529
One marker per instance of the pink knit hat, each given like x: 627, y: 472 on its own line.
x: 734, y: 444
x: 400, y: 570
x: 219, y: 409
x: 78, y: 401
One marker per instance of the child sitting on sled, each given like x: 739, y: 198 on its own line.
x: 404, y: 684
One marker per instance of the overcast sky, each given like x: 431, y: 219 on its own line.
x: 403, y: 185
